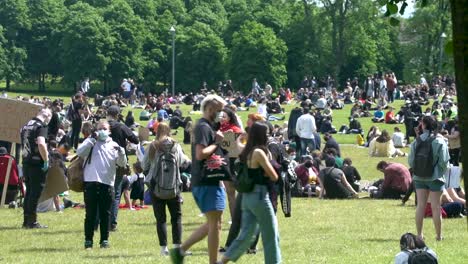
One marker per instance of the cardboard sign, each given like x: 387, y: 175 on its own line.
x: 143, y: 134
x: 15, y: 114
x: 56, y: 183
x: 230, y: 144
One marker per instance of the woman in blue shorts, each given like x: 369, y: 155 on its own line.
x: 429, y: 187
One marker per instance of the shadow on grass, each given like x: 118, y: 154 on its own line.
x: 60, y: 232
x: 42, y: 250
x: 381, y: 240
x: 10, y: 228
x: 119, y: 256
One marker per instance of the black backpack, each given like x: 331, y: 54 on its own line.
x: 423, y: 158
x: 421, y: 256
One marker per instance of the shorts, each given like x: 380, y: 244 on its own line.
x: 434, y: 186
x: 209, y: 198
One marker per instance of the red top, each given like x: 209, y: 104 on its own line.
x: 228, y: 126
x: 14, y: 180
x: 397, y: 177
x: 389, y: 116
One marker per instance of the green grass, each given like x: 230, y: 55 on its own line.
x: 319, y: 231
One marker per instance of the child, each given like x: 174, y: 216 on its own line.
x: 137, y: 182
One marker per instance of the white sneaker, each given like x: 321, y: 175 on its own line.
x: 164, y: 251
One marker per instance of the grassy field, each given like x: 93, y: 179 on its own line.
x: 319, y: 231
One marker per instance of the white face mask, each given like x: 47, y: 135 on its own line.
x: 103, y: 135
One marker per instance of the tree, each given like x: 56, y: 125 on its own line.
x: 201, y: 56
x: 127, y: 38
x: 257, y: 53
x: 2, y: 52
x: 14, y: 19
x: 85, y: 40
x: 46, y: 19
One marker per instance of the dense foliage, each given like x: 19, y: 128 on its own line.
x: 275, y: 41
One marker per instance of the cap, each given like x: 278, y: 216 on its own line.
x: 3, y: 151
x: 113, y: 111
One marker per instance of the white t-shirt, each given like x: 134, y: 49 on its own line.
x: 398, y: 139
x: 305, y: 126
x: 126, y: 87
x: 452, y: 176
x: 321, y: 103
x: 262, y: 110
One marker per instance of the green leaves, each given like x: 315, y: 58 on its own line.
x: 394, y: 22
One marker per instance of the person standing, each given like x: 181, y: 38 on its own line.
x: 257, y: 209
x: 76, y: 119
x: 120, y: 134
x: 429, y: 187
x: 102, y: 156
x: 85, y: 86
x: 305, y: 128
x: 35, y: 164
x: 209, y: 194
x: 158, y: 149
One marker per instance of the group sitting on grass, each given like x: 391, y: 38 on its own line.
x: 308, y: 166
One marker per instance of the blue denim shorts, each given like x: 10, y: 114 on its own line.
x: 209, y: 198
x: 434, y: 186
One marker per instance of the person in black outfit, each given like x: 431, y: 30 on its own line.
x: 120, y: 133
x: 351, y: 173
x: 130, y: 119
x: 35, y: 164
x: 292, y: 135
x: 76, y: 119
x: 54, y: 124
x: 330, y: 142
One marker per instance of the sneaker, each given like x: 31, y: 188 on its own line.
x: 35, y: 225
x: 113, y: 228
x: 176, y: 256
x: 104, y: 244
x: 88, y: 244
x: 164, y: 251
x: 252, y: 251
x: 222, y: 249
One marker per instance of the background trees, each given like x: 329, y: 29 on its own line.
x: 276, y: 41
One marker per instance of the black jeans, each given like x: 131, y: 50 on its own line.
x: 390, y: 96
x: 97, y: 196
x: 236, y: 224
x: 76, y: 130
x: 35, y: 180
x: 159, y: 210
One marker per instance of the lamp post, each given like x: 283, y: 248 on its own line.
x: 442, y: 40
x: 172, y: 30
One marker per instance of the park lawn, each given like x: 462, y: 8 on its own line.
x: 319, y: 231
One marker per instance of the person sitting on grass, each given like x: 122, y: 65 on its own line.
x: 333, y: 183
x: 354, y: 125
x: 378, y: 116
x: 396, y: 181
x: 383, y: 146
x: 390, y: 116
x: 307, y: 175
x: 351, y: 173
x: 398, y: 138
x: 408, y: 243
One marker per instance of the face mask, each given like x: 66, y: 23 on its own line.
x: 218, y: 117
x: 103, y: 135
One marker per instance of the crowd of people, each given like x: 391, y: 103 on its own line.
x: 298, y: 158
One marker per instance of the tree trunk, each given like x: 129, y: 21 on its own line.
x: 460, y: 56
x: 8, y: 84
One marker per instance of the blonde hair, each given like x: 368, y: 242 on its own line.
x: 163, y: 133
x: 211, y: 99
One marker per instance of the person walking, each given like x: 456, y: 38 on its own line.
x: 120, y: 134
x: 163, y: 168
x: 209, y: 193
x: 257, y: 209
x: 102, y: 156
x: 305, y: 128
x: 429, y: 181
x: 35, y: 164
x: 76, y: 117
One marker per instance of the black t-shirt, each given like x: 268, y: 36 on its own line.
x: 77, y: 106
x: 29, y: 133
x: 331, y: 179
x: 53, y: 126
x: 351, y: 174
x: 120, y: 133
x: 331, y: 143
x: 203, y: 135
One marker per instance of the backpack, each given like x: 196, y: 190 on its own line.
x: 421, y: 256
x: 241, y: 180
x: 423, y: 158
x: 75, y: 172
x: 166, y: 180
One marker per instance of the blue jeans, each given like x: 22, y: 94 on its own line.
x: 307, y: 142
x: 257, y: 213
